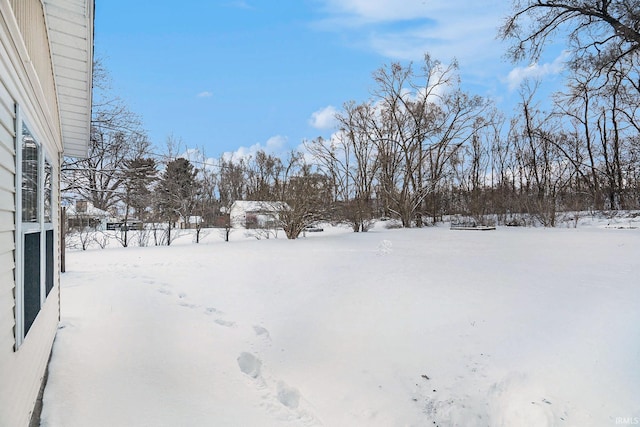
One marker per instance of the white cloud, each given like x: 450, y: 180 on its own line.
x: 406, y: 30
x: 198, y: 159
x: 240, y: 4
x: 536, y: 71
x: 205, y: 94
x: 191, y: 154
x: 324, y: 118
x: 372, y: 11
x: 274, y: 145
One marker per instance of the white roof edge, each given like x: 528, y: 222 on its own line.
x: 75, y: 40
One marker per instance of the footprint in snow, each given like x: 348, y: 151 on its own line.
x: 225, y: 323
x: 249, y: 364
x: 211, y: 310
x: 182, y: 295
x: 280, y: 399
x: 260, y: 331
x: 385, y: 247
x: 288, y: 396
x: 185, y: 304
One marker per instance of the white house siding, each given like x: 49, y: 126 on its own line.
x: 7, y: 227
x: 24, y: 81
x: 263, y: 211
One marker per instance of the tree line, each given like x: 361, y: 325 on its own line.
x: 418, y: 149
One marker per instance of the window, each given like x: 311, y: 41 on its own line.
x: 48, y: 226
x: 30, y: 181
x: 47, y: 192
x: 35, y: 233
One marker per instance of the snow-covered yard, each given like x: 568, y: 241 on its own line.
x: 513, y: 327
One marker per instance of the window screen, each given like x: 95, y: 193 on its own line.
x: 47, y: 193
x: 29, y: 177
x: 31, y: 269
x: 49, y: 254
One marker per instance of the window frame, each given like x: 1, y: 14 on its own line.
x: 42, y: 226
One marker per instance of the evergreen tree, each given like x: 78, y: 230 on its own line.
x: 176, y: 192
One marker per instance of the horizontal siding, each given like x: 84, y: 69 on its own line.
x: 26, y: 78
x: 6, y: 199
x: 5, y: 98
x: 7, y: 152
x: 7, y: 133
x: 7, y: 304
x: 7, y: 219
x: 7, y: 112
x: 7, y: 182
x: 7, y: 263
x: 7, y: 317
x: 7, y: 226
x: 8, y: 414
x: 9, y: 409
x: 23, y: 374
x: 31, y: 21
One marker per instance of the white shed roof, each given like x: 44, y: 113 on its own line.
x: 91, y: 211
x: 70, y: 25
x: 258, y: 206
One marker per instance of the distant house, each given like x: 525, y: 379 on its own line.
x: 194, y: 222
x: 254, y: 214
x: 46, y: 56
x: 83, y: 214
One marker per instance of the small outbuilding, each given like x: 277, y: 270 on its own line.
x: 84, y: 215
x: 255, y: 214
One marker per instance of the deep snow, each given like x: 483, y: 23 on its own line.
x: 513, y: 327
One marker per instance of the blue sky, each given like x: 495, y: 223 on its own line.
x: 236, y: 76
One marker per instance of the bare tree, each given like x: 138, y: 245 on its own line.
x: 600, y: 114
x: 407, y: 105
x: 304, y: 196
x: 351, y: 161
x: 597, y: 115
x: 601, y: 33
x: 504, y: 174
x: 263, y: 176
x: 542, y: 172
x: 116, y: 136
x: 472, y: 174
x: 206, y: 203
x: 618, y: 130
x: 460, y: 120
x: 424, y: 119
x: 576, y: 107
x: 232, y: 181
x: 136, y: 194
